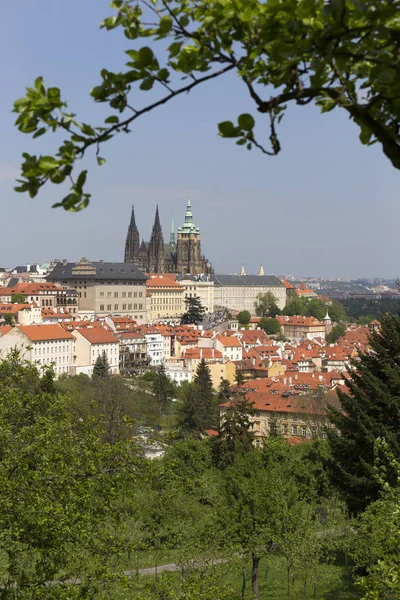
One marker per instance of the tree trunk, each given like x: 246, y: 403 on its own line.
x: 254, y: 575
x: 288, y: 583
x: 243, y: 582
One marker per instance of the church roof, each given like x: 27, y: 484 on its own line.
x: 245, y: 280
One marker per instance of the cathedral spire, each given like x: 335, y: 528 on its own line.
x: 132, y: 224
x: 172, y: 233
x: 188, y: 214
x: 242, y: 271
x: 261, y: 272
x: 156, y: 247
x: 132, y: 241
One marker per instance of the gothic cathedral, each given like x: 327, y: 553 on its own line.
x: 182, y: 255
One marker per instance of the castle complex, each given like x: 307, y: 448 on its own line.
x: 182, y: 254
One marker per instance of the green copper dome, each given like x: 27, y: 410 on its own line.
x: 188, y: 226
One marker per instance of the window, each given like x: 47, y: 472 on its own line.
x: 129, y: 294
x: 324, y: 434
x: 124, y: 307
x: 140, y: 306
x: 135, y: 294
x: 294, y: 429
x: 116, y: 306
x: 101, y: 306
x: 304, y: 431
x: 140, y: 294
x: 135, y: 307
x: 285, y: 429
x: 124, y: 294
x: 108, y: 306
x: 101, y: 294
x: 108, y: 294
x: 115, y: 294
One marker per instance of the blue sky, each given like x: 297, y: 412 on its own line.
x: 325, y: 206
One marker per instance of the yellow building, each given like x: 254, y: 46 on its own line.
x: 224, y: 370
x: 164, y: 297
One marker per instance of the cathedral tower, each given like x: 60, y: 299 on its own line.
x: 189, y: 258
x: 132, y: 241
x: 156, y: 247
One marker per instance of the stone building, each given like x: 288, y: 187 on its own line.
x: 239, y: 292
x: 104, y: 288
x: 182, y: 254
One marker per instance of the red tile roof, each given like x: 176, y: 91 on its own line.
x: 229, y: 341
x: 41, y: 333
x: 98, y: 335
x: 161, y: 281
x: 11, y: 309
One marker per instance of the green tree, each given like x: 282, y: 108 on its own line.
x: 101, y: 368
x: 374, y: 545
x: 224, y: 391
x: 270, y: 326
x: 337, y: 312
x: 194, y: 311
x: 199, y: 410
x: 365, y: 319
x: 369, y: 410
x: 244, y: 318
x: 316, y: 308
x: 334, y: 54
x: 236, y: 435
x: 60, y: 486
x: 162, y: 390
x: 18, y: 299
x: 337, y: 331
x: 9, y: 319
x: 295, y: 306
x: 265, y: 305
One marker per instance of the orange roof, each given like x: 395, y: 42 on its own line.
x: 299, y: 321
x: 41, y: 333
x: 98, y: 335
x: 30, y: 289
x: 161, y: 281
x: 229, y: 341
x: 11, y: 309
x: 287, y: 285
x: 5, y: 329
x: 51, y: 312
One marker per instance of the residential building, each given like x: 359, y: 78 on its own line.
x: 155, y: 348
x: 22, y: 314
x: 92, y: 342
x: 230, y: 346
x: 44, y: 345
x: 301, y: 328
x: 177, y: 372
x: 133, y: 355
x: 239, y: 292
x: 45, y: 295
x: 221, y: 370
x: 104, y: 288
x: 164, y: 298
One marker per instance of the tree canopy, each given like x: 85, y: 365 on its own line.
x: 194, y: 313
x: 337, y: 54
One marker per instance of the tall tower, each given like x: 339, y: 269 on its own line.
x: 172, y: 233
x: 132, y: 241
x: 156, y: 247
x: 189, y: 258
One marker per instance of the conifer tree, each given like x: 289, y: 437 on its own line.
x: 235, y: 432
x: 101, y: 367
x: 194, y: 311
x: 199, y: 409
x: 224, y: 391
x: 370, y: 409
x: 161, y: 388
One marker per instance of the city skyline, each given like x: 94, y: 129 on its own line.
x: 326, y: 205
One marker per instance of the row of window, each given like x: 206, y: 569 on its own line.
x: 53, y: 350
x: 123, y: 294
x: 124, y: 307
